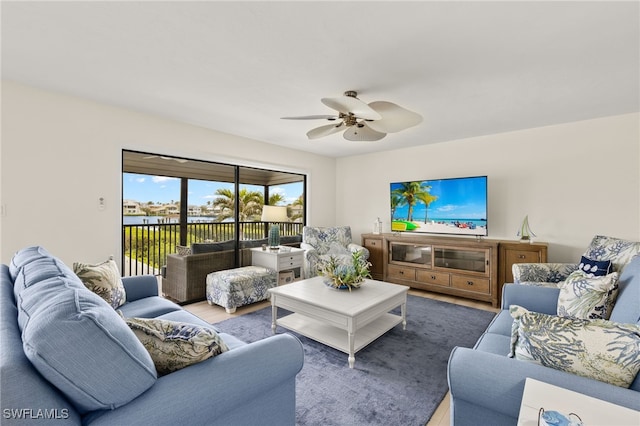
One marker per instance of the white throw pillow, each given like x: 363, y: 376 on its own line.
x: 104, y: 280
x: 598, y: 349
x: 585, y: 297
x: 175, y: 345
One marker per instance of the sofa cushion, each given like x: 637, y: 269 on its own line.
x: 585, y: 297
x: 183, y: 250
x: 627, y: 308
x: 618, y: 251
x: 594, y: 268
x: 501, y: 324
x: 599, y: 349
x: 104, y: 280
x: 493, y: 343
x: 32, y: 265
x: 148, y: 307
x: 247, y: 244
x: 175, y: 345
x: 322, y: 238
x: 20, y: 383
x: 197, y: 248
x: 76, y: 340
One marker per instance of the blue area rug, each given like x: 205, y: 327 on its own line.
x: 399, y: 379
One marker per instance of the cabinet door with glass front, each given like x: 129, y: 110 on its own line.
x: 467, y: 260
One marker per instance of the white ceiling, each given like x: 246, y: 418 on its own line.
x: 470, y: 68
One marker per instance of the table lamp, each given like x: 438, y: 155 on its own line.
x: 274, y: 214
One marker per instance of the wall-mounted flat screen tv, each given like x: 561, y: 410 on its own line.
x: 440, y: 206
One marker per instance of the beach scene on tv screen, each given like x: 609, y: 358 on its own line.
x: 445, y: 206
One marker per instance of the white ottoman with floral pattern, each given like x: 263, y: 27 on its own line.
x: 241, y: 286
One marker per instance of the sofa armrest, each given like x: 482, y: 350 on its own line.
x: 139, y: 287
x: 311, y: 260
x: 473, y: 374
x: 187, y: 275
x: 353, y: 247
x: 542, y: 272
x: 533, y: 298
x: 223, y: 389
x: 306, y: 247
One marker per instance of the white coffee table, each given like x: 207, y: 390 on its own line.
x: 346, y: 321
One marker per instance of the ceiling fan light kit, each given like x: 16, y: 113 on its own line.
x: 361, y: 121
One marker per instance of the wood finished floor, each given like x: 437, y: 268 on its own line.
x: 213, y: 314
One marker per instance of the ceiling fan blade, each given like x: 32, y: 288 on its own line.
x: 162, y: 157
x: 349, y: 104
x: 364, y: 133
x: 326, y: 130
x: 312, y: 117
x: 179, y: 160
x: 394, y: 117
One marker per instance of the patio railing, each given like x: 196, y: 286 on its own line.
x: 145, y: 246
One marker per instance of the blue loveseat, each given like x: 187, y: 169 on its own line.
x: 67, y: 357
x: 487, y: 386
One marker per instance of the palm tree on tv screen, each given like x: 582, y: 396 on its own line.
x: 411, y: 193
x: 396, y: 201
x: 427, y: 199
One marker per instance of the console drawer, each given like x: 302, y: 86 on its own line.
x: 401, y: 273
x: 478, y: 285
x: 430, y: 277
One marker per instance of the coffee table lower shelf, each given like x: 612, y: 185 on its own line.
x: 338, y: 338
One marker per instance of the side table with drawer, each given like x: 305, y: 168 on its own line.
x: 284, y: 259
x: 516, y: 252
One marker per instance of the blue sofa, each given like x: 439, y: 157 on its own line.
x: 67, y: 357
x: 487, y: 386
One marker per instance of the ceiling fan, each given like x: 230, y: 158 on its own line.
x: 361, y: 121
x: 179, y: 160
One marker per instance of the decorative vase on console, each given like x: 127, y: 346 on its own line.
x: 525, y: 233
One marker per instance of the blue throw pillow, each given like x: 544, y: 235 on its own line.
x: 594, y: 268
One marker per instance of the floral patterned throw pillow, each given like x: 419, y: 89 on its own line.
x: 104, y: 280
x: 175, y: 345
x: 598, y: 349
x: 585, y: 297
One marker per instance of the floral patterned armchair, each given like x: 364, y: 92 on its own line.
x: 618, y: 251
x: 320, y: 244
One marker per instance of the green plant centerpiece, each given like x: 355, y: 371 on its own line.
x: 344, y: 276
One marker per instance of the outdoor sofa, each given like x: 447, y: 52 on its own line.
x: 68, y: 357
x: 187, y: 270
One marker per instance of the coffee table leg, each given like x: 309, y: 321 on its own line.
x: 403, y: 310
x: 352, y: 355
x: 274, y: 314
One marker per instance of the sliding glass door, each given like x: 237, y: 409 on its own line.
x: 169, y: 203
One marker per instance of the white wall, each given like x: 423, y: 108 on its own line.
x: 574, y: 181
x: 60, y: 154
